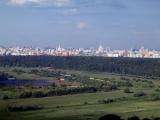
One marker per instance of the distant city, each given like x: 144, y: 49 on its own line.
x: 60, y: 51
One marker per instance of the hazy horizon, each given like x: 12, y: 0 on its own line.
x: 120, y: 24
x: 89, y: 47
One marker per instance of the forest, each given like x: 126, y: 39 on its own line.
x: 132, y: 66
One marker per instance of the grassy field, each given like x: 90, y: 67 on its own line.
x: 86, y: 106
x: 72, y: 107
x: 26, y: 74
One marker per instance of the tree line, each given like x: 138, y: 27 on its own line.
x: 132, y: 66
x: 4, y: 75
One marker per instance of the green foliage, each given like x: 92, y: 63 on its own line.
x: 72, y: 107
x: 140, y: 94
x: 105, y: 101
x: 38, y: 94
x: 21, y: 108
x: 85, y: 103
x: 57, y: 92
x: 127, y: 90
x: 4, y: 75
x: 111, y: 100
x: 5, y: 97
x: 70, y: 104
x: 18, y: 71
x: 25, y: 95
x: 110, y: 88
x: 47, y: 73
x: 155, y: 97
x: 135, y: 66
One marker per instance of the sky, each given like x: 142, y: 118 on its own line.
x: 80, y: 23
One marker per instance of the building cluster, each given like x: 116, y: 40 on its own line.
x: 59, y: 51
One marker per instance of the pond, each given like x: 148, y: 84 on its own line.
x: 15, y: 82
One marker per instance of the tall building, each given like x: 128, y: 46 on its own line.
x: 100, y: 49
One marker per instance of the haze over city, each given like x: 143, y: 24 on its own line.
x: 118, y: 24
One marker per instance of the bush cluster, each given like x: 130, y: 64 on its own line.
x: 23, y: 107
x: 107, y: 101
x: 58, y: 92
x: 140, y: 94
x: 127, y: 90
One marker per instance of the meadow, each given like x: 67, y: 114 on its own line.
x: 81, y: 107
x: 136, y: 95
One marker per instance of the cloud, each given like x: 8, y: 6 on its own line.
x: 70, y: 11
x: 81, y: 25
x: 68, y: 3
x: 57, y: 3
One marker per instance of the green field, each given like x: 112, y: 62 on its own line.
x: 85, y: 106
x: 72, y: 107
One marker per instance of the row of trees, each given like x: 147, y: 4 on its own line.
x: 58, y: 92
x: 134, y: 66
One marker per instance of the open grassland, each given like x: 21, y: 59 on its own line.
x: 73, y: 107
x: 26, y: 74
x: 86, y: 106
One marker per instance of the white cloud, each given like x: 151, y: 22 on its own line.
x: 71, y: 11
x: 58, y: 3
x: 22, y: 2
x: 81, y: 25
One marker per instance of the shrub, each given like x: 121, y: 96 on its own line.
x: 5, y: 97
x: 127, y: 90
x: 121, y: 99
x: 85, y: 103
x: 23, y: 107
x: 157, y: 90
x: 140, y: 94
x: 59, y: 106
x: 103, y: 101
x: 25, y: 95
x: 151, y: 85
x: 155, y: 97
x: 38, y: 94
x: 53, y: 85
x: 110, y: 88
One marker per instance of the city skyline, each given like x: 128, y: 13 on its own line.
x: 73, y: 47
x: 80, y: 23
x: 60, y: 51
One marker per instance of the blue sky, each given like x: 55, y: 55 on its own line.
x: 80, y: 23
